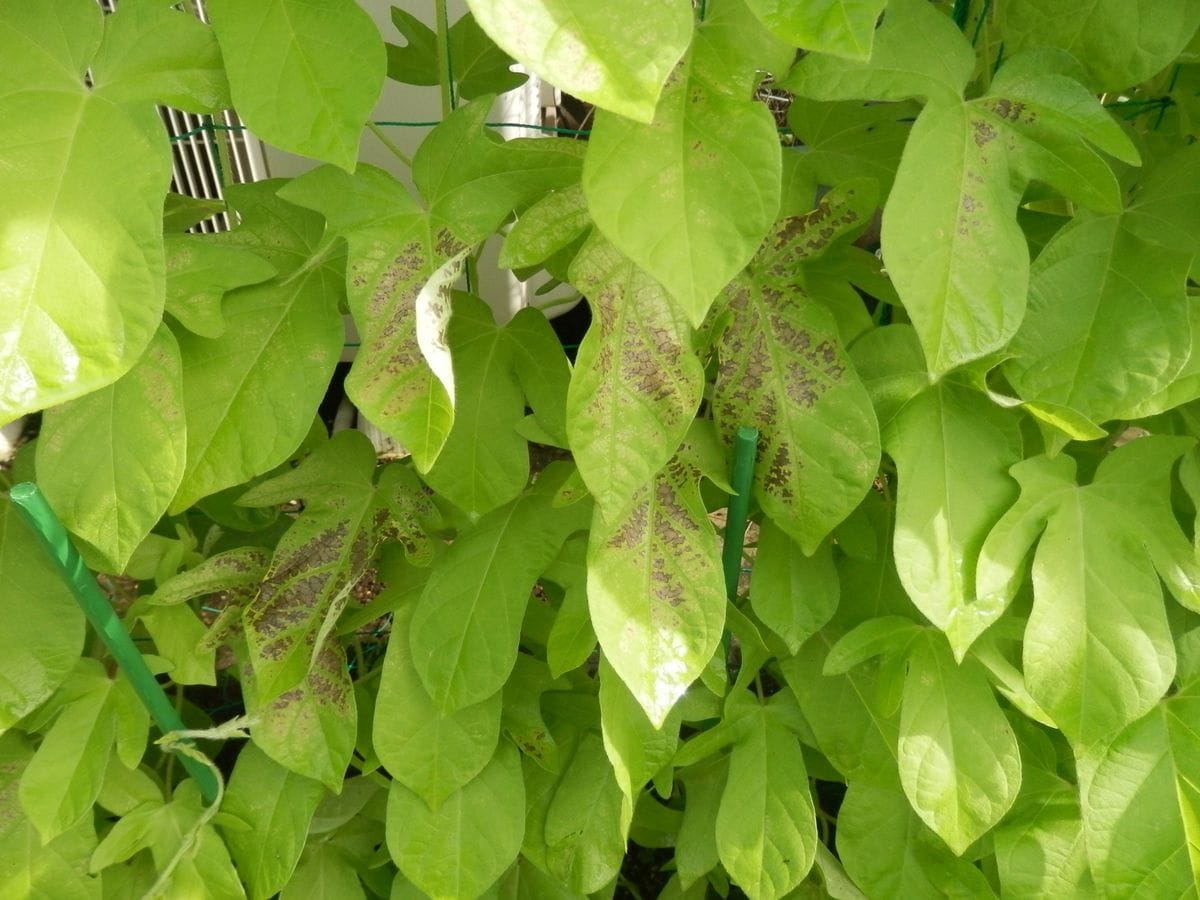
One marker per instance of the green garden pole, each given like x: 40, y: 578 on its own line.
x: 745, y: 448
x: 32, y: 505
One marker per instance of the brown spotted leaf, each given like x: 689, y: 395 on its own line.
x: 318, y: 560
x: 783, y: 370
x: 398, y: 287
x: 232, y: 570
x: 951, y: 242
x: 842, y: 212
x: 655, y: 590
x: 636, y: 384
x: 310, y: 729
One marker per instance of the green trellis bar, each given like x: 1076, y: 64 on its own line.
x: 745, y: 448
x: 32, y: 505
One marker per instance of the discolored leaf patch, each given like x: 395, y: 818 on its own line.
x: 398, y: 288
x: 655, y: 590
x: 783, y: 370
x: 327, y: 549
x: 636, y: 385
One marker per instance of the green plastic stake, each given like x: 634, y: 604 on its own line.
x: 745, y: 448
x: 32, y: 505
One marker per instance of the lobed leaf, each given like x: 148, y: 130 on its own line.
x: 952, y: 448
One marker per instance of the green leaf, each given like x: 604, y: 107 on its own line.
x: 656, y: 592
x: 636, y: 385
x: 200, y: 273
x: 844, y: 713
x: 43, y: 633
x: 615, y: 55
x: 472, y: 181
x: 783, y: 371
x: 696, y: 852
x: 951, y: 241
x: 304, y: 76
x: 733, y: 48
x: 320, y: 557
x: 546, y: 227
x: 766, y: 825
x: 1039, y: 846
x: 1043, y: 89
x: 572, y: 638
x: 1157, y: 31
x: 431, y: 753
x: 416, y: 61
x: 467, y: 622
x: 63, y: 779
x: 1140, y: 806
x: 841, y: 28
x: 278, y: 806
x: 952, y: 448
x: 81, y: 301
x: 472, y: 838
x: 522, y: 719
x: 635, y: 747
x: 889, y: 852
x: 484, y: 462
x: 542, y: 369
x: 111, y: 461
x: 917, y: 53
x: 27, y: 867
x: 959, y: 761
x: 398, y: 283
x: 250, y: 397
x: 179, y: 639
x: 479, y: 66
x: 325, y: 872
x: 847, y: 140
x: 153, y: 52
x: 1100, y: 292
x: 585, y: 843
x: 654, y: 189
x: 238, y: 568
x: 311, y: 728
x: 794, y: 595
x: 881, y: 636
x: 1098, y: 652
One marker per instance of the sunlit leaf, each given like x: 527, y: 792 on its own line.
x: 636, y: 386
x: 470, y: 840
x: 654, y: 189
x: 616, y: 55
x: 431, y: 753
x: 111, y: 461
x: 656, y: 592
x: 305, y: 76
x: 953, y: 448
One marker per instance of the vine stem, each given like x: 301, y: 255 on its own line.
x: 445, y: 73
x: 390, y: 144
